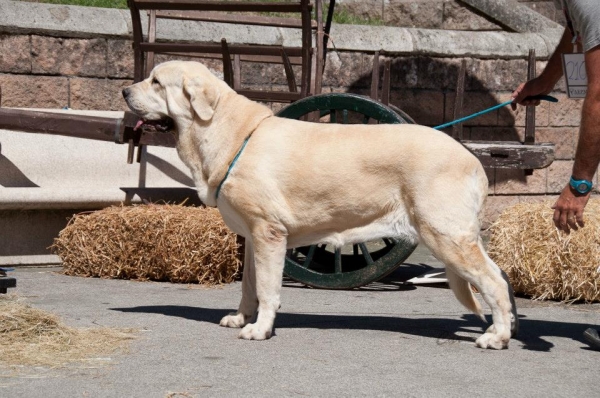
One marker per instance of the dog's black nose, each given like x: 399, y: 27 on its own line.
x: 126, y: 92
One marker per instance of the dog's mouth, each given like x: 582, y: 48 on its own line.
x: 163, y: 125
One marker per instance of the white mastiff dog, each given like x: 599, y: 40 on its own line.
x: 297, y: 183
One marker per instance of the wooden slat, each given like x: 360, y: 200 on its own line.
x: 386, y: 85
x: 237, y: 72
x: 244, y: 58
x: 157, y: 138
x: 327, y: 27
x: 227, y: 67
x: 513, y: 155
x: 274, y: 96
x: 306, y: 48
x: 457, y: 129
x: 289, y: 72
x: 151, y: 39
x: 210, y: 16
x: 232, y: 6
x: 319, y: 56
x: 530, y: 110
x: 375, y: 77
x: 216, y: 49
x: 78, y: 126
x: 138, y: 55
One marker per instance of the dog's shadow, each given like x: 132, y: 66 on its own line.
x: 442, y: 329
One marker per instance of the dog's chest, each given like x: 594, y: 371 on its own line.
x: 233, y: 219
x: 191, y: 159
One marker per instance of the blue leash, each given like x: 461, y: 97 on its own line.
x: 493, y: 108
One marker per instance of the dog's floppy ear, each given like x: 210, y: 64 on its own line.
x: 203, y: 97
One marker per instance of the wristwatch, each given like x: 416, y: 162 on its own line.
x: 581, y: 186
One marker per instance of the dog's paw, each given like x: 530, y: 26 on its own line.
x: 253, y: 332
x: 514, y: 327
x: 234, y: 320
x: 491, y: 340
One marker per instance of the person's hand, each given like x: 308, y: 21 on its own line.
x: 531, y: 88
x: 568, y: 209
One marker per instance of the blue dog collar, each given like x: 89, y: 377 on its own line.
x: 231, y: 165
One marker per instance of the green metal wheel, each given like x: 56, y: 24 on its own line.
x: 359, y: 264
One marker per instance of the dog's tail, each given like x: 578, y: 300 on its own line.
x: 464, y: 294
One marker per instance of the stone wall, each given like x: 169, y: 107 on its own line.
x: 428, y: 14
x: 46, y: 71
x: 546, y: 8
x: 56, y: 72
x: 437, y: 14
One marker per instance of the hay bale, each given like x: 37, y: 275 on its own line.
x: 543, y: 262
x: 29, y: 336
x: 150, y: 242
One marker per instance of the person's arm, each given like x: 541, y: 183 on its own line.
x: 568, y: 210
x: 545, y: 82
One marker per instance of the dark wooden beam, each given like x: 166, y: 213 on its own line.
x: 511, y: 155
x: 231, y: 6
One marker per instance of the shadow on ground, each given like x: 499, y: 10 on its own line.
x: 443, y: 329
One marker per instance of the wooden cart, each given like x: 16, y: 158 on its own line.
x: 317, y: 265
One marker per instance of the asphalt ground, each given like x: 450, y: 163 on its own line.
x: 385, y: 339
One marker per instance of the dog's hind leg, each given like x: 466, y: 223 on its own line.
x: 466, y: 259
x: 249, y: 302
x: 514, y: 316
x: 269, y: 256
x: 464, y: 294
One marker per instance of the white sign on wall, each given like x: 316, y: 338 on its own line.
x: 575, y: 75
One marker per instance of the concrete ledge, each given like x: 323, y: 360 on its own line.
x: 61, y: 20
x: 89, y: 22
x: 479, y: 44
x: 53, y: 198
x: 33, y: 259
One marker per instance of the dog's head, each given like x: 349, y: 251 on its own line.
x: 175, y: 91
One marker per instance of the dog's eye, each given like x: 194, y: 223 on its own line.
x: 155, y: 81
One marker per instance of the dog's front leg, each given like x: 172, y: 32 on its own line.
x: 249, y: 302
x: 269, y: 256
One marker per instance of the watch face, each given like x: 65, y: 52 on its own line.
x: 581, y: 186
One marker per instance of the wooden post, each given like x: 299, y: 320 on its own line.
x: 457, y: 129
x: 375, y: 77
x: 385, y: 85
x: 530, y: 110
x: 227, y: 67
x: 306, y: 48
x: 151, y: 39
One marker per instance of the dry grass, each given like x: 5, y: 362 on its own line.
x: 543, y: 262
x: 29, y: 336
x: 150, y: 242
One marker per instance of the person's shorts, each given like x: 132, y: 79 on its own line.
x: 585, y: 15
